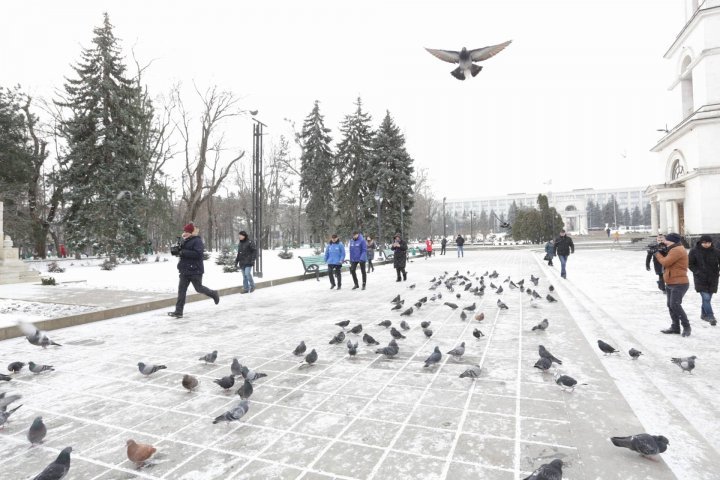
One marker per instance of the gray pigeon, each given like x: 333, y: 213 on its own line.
x: 356, y: 329
x: 343, y: 323
x: 236, y: 413
x: 37, y: 431
x: 35, y: 368
x: 542, y: 325
x: 57, y: 469
x: 471, y: 308
x: 407, y: 312
x: 687, y: 364
x: 339, y: 338
x: 245, y: 390
x: 236, y: 367
x: 644, y: 444
x: 565, y: 381
x: 385, y: 323
x: 390, y: 351
x: 6, y: 400
x: 5, y: 378
x: 5, y: 414
x: 311, y: 357
x: 300, y: 349
x: 396, y: 299
x: 458, y: 351
x: 606, y: 348
x: 251, y: 375
x: 225, y: 382
x: 397, y: 306
x: 15, y: 367
x: 550, y: 298
x: 545, y: 354
x: 35, y: 336
x: 148, y: 369
x: 472, y: 372
x: 463, y: 316
x: 477, y: 334
x: 466, y: 58
x: 551, y: 288
x: 370, y: 340
x: 635, y: 354
x: 425, y: 324
x: 434, y: 357
x: 428, y: 333
x: 548, y: 471
x: 189, y: 382
x: 451, y: 305
x: 352, y: 348
x: 501, y: 305
x: 396, y: 333
x: 543, y: 364
x: 404, y: 325
x: 499, y: 290
x: 209, y: 357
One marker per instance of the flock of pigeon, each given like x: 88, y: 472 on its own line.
x: 139, y: 454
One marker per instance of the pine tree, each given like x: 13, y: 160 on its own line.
x: 512, y: 213
x: 104, y: 162
x: 391, y: 172
x: 636, y: 216
x: 352, y: 167
x: 316, y: 173
x: 484, y: 223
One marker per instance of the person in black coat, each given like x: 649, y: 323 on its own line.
x: 245, y: 259
x: 399, y: 248
x: 564, y: 246
x: 443, y: 244
x: 656, y: 265
x: 460, y: 242
x: 191, y: 268
x: 704, y: 263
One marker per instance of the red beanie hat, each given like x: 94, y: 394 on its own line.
x: 189, y: 228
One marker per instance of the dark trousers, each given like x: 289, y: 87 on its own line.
x: 442, y: 250
x: 353, y: 266
x: 333, y: 273
x: 370, y: 265
x: 185, y: 281
x: 401, y: 271
x: 661, y: 282
x: 675, y: 295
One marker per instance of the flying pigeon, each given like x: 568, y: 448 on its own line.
x: 35, y: 336
x: 606, y: 349
x: 189, y: 382
x: 138, y: 453
x: 458, y: 351
x: 472, y: 372
x: 404, y: 325
x: 385, y: 323
x: 37, y: 431
x: 477, y: 334
x: 236, y: 367
x: 35, y: 368
x: 300, y: 349
x: 339, y: 338
x: 396, y: 333
x: 210, y: 357
x: 545, y: 354
x: 58, y: 468
x: 542, y: 325
x: 311, y: 357
x: 686, y: 364
x: 635, y: 354
x: 434, y: 357
x: 565, y: 381
x: 236, y: 413
x: 343, y: 324
x: 6, y: 400
x: 245, y: 390
x: 225, y: 382
x: 145, y: 369
x: 352, y: 348
x: 644, y: 444
x: 15, y: 367
x: 548, y: 471
x: 370, y: 340
x: 356, y: 329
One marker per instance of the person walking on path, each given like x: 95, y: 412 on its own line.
x: 607, y: 230
x: 563, y: 247
x: 675, y: 266
x: 549, y: 252
x: 371, y: 247
x: 704, y: 263
x: 399, y: 248
x: 460, y: 241
x: 191, y: 268
x: 616, y: 238
x: 443, y: 244
x: 245, y: 259
x: 428, y: 248
x: 358, y: 255
x: 334, y: 257
x: 656, y: 265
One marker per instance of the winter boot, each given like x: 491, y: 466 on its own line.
x: 672, y: 329
x: 686, y: 331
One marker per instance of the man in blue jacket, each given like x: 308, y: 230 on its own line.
x: 191, y: 268
x: 358, y: 254
x: 334, y: 257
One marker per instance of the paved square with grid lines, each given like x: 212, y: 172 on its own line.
x: 366, y: 417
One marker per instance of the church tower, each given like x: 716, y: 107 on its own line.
x: 688, y: 200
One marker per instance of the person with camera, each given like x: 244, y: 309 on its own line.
x: 704, y: 263
x: 399, y: 248
x: 654, y: 248
x: 358, y: 256
x: 334, y: 257
x: 190, y: 250
x: 563, y: 247
x: 245, y: 259
x: 675, y: 266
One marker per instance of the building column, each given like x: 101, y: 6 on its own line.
x: 669, y: 216
x: 675, y: 216
x: 663, y: 217
x: 653, y: 218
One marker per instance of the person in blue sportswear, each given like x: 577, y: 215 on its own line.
x: 334, y: 257
x: 358, y: 255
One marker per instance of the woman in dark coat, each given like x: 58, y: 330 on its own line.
x: 704, y: 263
x: 399, y: 248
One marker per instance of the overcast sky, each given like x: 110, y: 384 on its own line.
x: 576, y: 98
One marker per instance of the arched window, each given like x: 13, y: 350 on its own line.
x: 677, y: 169
x: 686, y: 87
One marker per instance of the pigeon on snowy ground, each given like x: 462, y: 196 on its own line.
x: 551, y: 288
x: 548, y: 471
x: 352, y: 348
x: 58, y: 468
x: 210, y: 357
x: 37, y: 431
x: 411, y: 286
x: 542, y: 325
x: 418, y: 305
x: 311, y: 357
x: 35, y: 368
x: 458, y: 351
x: 145, y: 369
x: 470, y: 308
x: 423, y: 300
x: 397, y: 306
x: 138, y: 453
x: 339, y: 338
x: 499, y: 290
x: 189, y: 382
x: 425, y: 324
x: 643, y: 443
x: 396, y: 299
x: 607, y: 349
x: 385, y: 323
x: 356, y: 329
x: 635, y: 354
x: 225, y: 382
x: 6, y: 400
x: 463, y: 316
x: 396, y: 334
x: 472, y: 372
x: 404, y: 325
x: 534, y: 280
x: 5, y: 414
x: 370, y: 340
x: 236, y: 413
x: 477, y: 334
x: 434, y: 357
x: 535, y: 294
x: 565, y: 381
x: 493, y: 286
x: 15, y: 367
x: 35, y: 336
x: 501, y: 305
x: 407, y: 312
x: 251, y: 375
x: 390, y: 351
x: 687, y: 364
x: 457, y: 295
x: 245, y: 390
x: 512, y: 284
x: 343, y: 324
x: 480, y: 317
x: 428, y: 333
x: 451, y: 305
x: 545, y: 354
x: 550, y: 298
x: 5, y: 378
x: 236, y: 367
x: 543, y: 364
x: 300, y: 349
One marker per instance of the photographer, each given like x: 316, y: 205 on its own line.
x: 654, y: 248
x: 190, y: 250
x: 675, y: 266
x: 704, y: 262
x: 399, y: 248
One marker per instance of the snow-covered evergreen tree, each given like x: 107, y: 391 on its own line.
x: 316, y: 170
x: 104, y: 170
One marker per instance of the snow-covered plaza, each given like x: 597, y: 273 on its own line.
x: 370, y: 417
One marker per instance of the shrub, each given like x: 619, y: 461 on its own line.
x: 230, y: 269
x: 108, y: 265
x: 206, y: 256
x: 53, y: 267
x: 48, y: 281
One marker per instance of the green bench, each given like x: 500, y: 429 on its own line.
x: 315, y: 264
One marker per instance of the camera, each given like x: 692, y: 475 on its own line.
x: 660, y: 248
x: 175, y: 249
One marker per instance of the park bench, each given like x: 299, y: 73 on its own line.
x: 388, y: 253
x: 637, y: 239
x: 316, y: 264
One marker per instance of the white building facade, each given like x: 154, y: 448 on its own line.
x: 688, y: 200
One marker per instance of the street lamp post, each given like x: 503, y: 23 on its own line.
x: 378, y: 199
x: 257, y: 188
x: 444, y: 224
x: 471, y: 226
